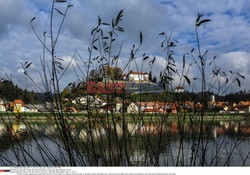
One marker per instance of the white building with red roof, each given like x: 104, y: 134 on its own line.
x: 136, y: 76
x: 2, y: 106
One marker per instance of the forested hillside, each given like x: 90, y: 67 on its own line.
x: 10, y: 92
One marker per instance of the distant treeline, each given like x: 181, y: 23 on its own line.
x: 11, y: 92
x: 236, y: 97
x: 75, y: 90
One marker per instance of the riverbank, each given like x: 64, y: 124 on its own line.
x: 78, y: 116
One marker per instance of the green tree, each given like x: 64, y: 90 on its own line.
x: 95, y: 75
x: 65, y: 93
x: 114, y: 73
x: 117, y: 73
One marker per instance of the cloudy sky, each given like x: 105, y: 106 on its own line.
x: 226, y: 36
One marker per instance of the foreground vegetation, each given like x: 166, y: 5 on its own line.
x: 109, y: 139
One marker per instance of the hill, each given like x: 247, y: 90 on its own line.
x: 10, y: 92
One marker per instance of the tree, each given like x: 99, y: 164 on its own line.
x: 10, y: 92
x: 95, y: 75
x: 117, y: 73
x: 65, y: 93
x: 26, y: 97
x: 113, y: 73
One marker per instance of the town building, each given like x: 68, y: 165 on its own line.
x: 17, y: 106
x: 2, y: 106
x: 152, y: 107
x: 137, y: 77
x: 179, y: 89
x: 31, y: 108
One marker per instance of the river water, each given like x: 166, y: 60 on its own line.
x: 125, y: 143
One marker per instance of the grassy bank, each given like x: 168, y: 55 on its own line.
x: 49, y: 116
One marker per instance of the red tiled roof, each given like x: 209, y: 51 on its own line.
x: 150, y: 110
x: 242, y: 106
x: 138, y: 73
x: 189, y: 103
x: 179, y: 87
x: 244, y: 103
x: 18, y: 102
x: 220, y: 103
x: 148, y: 104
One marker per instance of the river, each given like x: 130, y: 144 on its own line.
x: 125, y: 143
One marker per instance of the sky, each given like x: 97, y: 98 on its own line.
x: 226, y: 36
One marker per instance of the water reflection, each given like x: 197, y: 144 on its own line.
x: 138, y: 143
x: 14, y: 129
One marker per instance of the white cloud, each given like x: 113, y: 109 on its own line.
x: 225, y: 36
x: 20, y: 71
x: 238, y: 61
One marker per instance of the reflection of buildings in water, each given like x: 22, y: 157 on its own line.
x: 220, y: 129
x: 22, y: 126
x: 49, y: 130
x: 217, y: 130
x: 17, y: 129
x: 84, y: 135
x: 132, y: 128
x: 152, y: 129
x: 214, y: 132
x: 248, y: 140
x: 244, y: 129
x: 138, y: 158
x: 236, y: 128
x: 225, y: 124
x: 2, y: 129
x: 174, y: 128
x: 242, y: 122
x: 119, y: 130
x: 97, y: 133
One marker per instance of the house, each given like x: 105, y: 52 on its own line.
x: 136, y: 76
x: 2, y: 106
x: 31, y: 108
x: 121, y: 105
x: 69, y: 109
x: 24, y: 109
x: 242, y: 108
x: 133, y: 108
x: 152, y: 107
x: 42, y: 108
x: 247, y: 103
x: 149, y: 107
x: 164, y: 107
x: 224, y: 106
x: 145, y: 107
x: 17, y: 106
x: 108, y: 107
x: 151, y: 110
x: 85, y: 99
x: 179, y: 89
